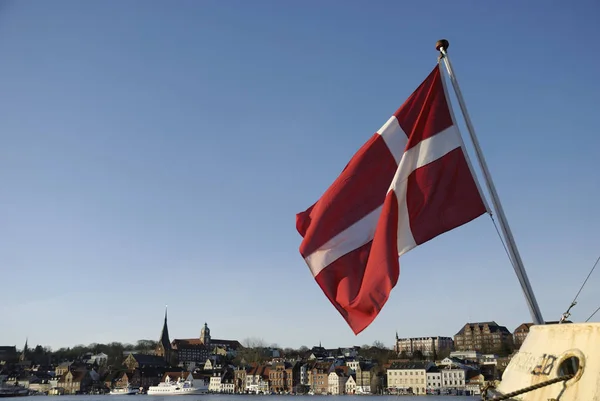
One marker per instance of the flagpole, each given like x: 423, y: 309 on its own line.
x: 517, y: 262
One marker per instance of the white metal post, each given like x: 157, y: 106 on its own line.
x: 517, y: 262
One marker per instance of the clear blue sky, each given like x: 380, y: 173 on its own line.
x: 156, y: 152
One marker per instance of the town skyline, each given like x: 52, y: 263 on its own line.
x: 32, y: 340
x: 158, y: 155
x: 254, y: 342
x: 480, y: 352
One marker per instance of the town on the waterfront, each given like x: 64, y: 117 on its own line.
x: 476, y: 355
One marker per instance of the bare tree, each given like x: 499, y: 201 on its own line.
x: 303, y: 351
x: 253, y: 351
x: 145, y: 345
x: 254, y: 342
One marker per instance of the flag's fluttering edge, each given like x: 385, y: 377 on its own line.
x: 409, y: 183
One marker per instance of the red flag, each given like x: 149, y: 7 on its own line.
x: 408, y: 184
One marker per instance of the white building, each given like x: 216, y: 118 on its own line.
x: 336, y: 383
x: 350, y: 385
x: 215, y: 384
x: 453, y: 377
x: 433, y: 378
x: 252, y: 383
x: 227, y: 387
x: 303, y: 375
x: 353, y: 365
x: 221, y: 383
x: 408, y: 377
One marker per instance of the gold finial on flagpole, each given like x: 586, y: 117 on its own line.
x: 442, y: 43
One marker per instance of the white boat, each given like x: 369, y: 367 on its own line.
x: 124, y: 391
x: 179, y: 387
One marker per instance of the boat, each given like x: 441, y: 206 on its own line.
x: 179, y: 387
x: 128, y: 390
x: 13, y: 391
x: 556, y: 361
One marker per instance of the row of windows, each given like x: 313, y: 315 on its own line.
x: 453, y: 374
x: 454, y: 382
x: 402, y: 372
x: 431, y: 384
x: 408, y: 381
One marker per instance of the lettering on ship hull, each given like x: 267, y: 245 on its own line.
x: 534, y: 364
x: 545, y: 366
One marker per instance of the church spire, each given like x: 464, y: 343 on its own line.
x: 23, y: 355
x: 164, y: 337
x: 163, y: 348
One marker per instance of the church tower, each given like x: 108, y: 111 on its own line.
x: 205, y: 335
x: 163, y: 348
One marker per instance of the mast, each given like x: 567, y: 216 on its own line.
x: 515, y: 257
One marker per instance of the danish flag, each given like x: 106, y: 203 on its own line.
x: 410, y: 182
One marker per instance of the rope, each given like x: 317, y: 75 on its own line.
x: 566, y: 315
x: 524, y: 390
x: 592, y: 315
x: 586, y: 279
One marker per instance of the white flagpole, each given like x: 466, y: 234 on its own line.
x: 517, y: 262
